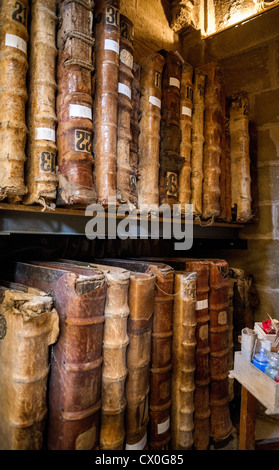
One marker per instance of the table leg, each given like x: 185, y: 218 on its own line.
x: 247, y: 420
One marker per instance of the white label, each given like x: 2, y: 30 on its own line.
x: 174, y: 82
x: 15, y: 41
x: 155, y: 101
x: 163, y: 427
x: 44, y: 133
x: 139, y: 445
x: 126, y: 58
x: 125, y: 90
x: 76, y: 110
x: 186, y: 111
x: 111, y: 45
x: 201, y: 304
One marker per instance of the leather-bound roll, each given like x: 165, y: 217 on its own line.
x: 115, y: 342
x: 124, y: 135
x: 170, y: 160
x: 40, y: 168
x: 13, y: 96
x: 161, y: 347
x: 149, y: 138
x: 76, y: 360
x: 212, y: 140
x: 223, y: 156
x: 202, y: 377
x: 220, y: 421
x: 74, y: 107
x: 197, y: 142
x: 28, y: 326
x: 135, y: 131
x: 228, y: 199
x: 183, y: 358
x: 186, y: 107
x: 105, y: 115
x: 240, y: 158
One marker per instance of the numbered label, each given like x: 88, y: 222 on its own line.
x: 189, y: 93
x: 112, y: 16
x: 19, y: 14
x: 83, y: 141
x: 172, y: 187
x: 47, y: 162
x: 133, y: 183
x: 126, y: 31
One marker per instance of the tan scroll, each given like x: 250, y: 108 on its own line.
x: 13, y: 96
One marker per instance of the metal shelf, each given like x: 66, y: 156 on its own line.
x: 20, y: 219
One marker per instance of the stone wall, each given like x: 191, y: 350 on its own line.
x: 249, y: 56
x: 151, y: 25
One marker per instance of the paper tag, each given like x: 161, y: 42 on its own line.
x: 125, y: 90
x: 111, y: 45
x: 163, y: 427
x: 201, y: 304
x: 186, y: 111
x: 77, y: 110
x: 126, y: 58
x: 155, y: 101
x: 222, y: 318
x: 139, y: 445
x: 203, y: 332
x: 174, y: 82
x: 15, y: 41
x: 44, y: 133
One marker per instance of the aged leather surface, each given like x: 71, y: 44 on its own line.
x: 170, y: 160
x: 186, y: 107
x: 161, y: 348
x: 135, y: 131
x: 149, y: 138
x: 115, y: 342
x: 76, y: 361
x: 240, y: 158
x: 183, y: 358
x: 220, y: 420
x: 212, y: 140
x: 74, y: 105
x: 29, y: 324
x: 13, y: 96
x: 124, y: 135
x: 197, y: 173
x: 107, y: 35
x: 40, y: 168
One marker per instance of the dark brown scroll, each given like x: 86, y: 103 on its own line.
x: 74, y: 103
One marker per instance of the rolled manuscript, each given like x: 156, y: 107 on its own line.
x: 105, y: 116
x: 212, y: 140
x: 183, y: 350
x: 170, y: 159
x: 28, y: 326
x: 240, y: 159
x: 13, y: 96
x: 197, y: 142
x: 115, y: 342
x: 149, y: 139
x: 124, y: 136
x: 74, y: 103
x: 40, y: 166
x: 135, y: 131
x: 76, y: 361
x: 220, y: 422
x: 186, y: 107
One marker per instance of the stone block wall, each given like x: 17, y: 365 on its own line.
x: 249, y: 56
